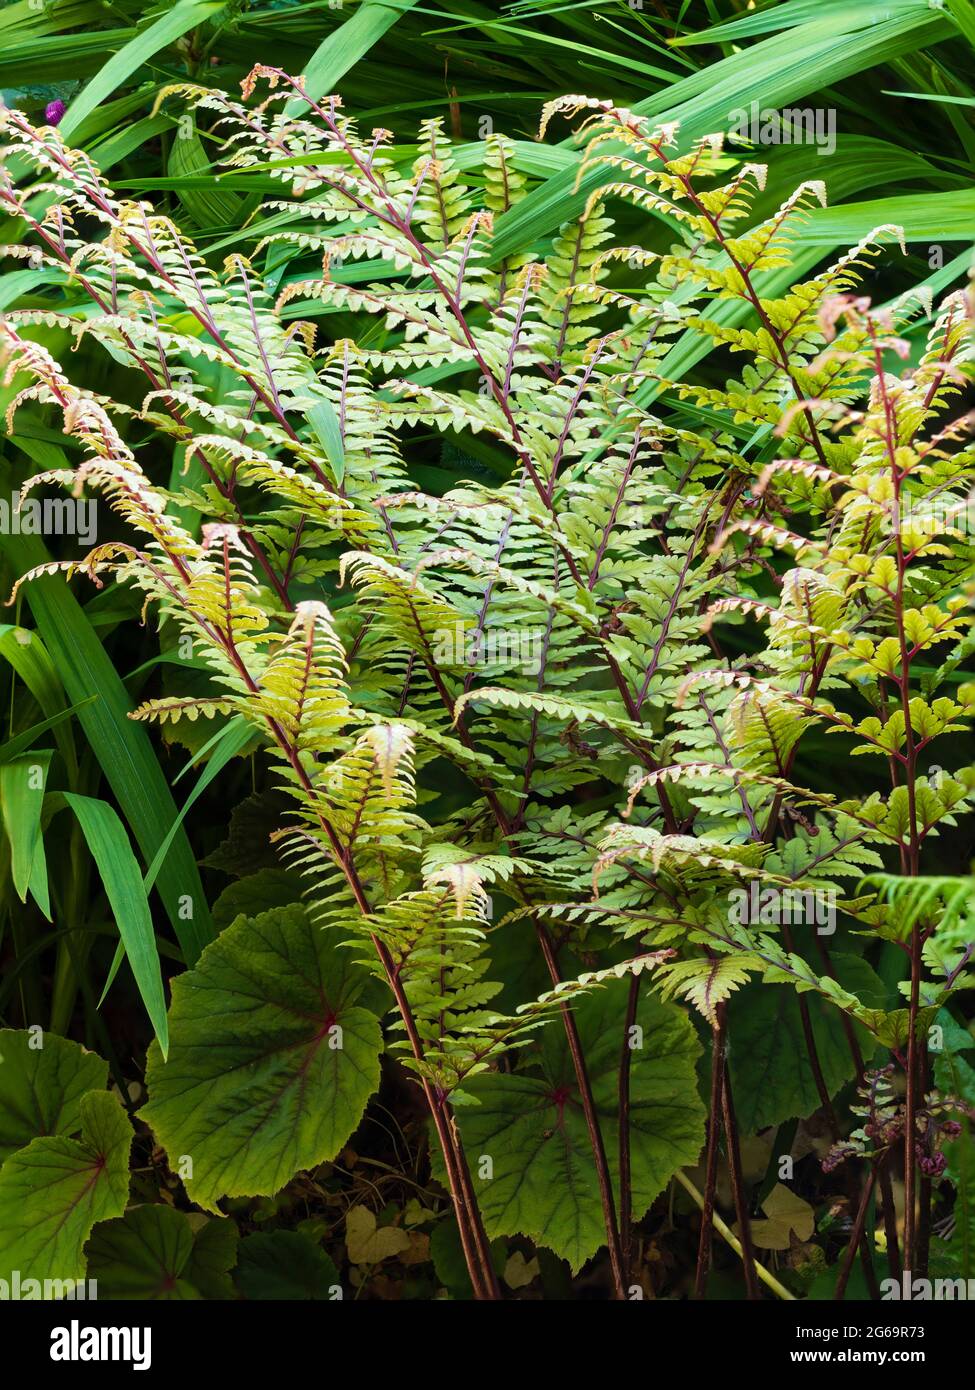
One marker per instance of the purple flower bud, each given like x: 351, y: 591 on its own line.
x: 53, y: 112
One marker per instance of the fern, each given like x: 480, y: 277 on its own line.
x: 614, y: 645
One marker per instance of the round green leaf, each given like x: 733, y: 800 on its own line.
x: 447, y: 1253
x: 53, y: 1192
x: 539, y: 1178
x: 771, y: 1074
x: 285, y: 1265
x: 256, y: 893
x: 153, y: 1252
x: 214, y: 1256
x: 42, y: 1080
x: 271, y: 1060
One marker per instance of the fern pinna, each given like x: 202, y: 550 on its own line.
x: 546, y: 734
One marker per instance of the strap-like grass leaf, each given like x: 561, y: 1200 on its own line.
x: 21, y: 801
x: 945, y: 216
x: 122, y: 879
x: 328, y: 432
x: 18, y: 282
x: 176, y: 21
x: 343, y: 47
x: 208, y: 202
x: 29, y: 657
x: 229, y: 742
x: 122, y: 747
x: 775, y: 72
x: 19, y: 744
x: 771, y: 19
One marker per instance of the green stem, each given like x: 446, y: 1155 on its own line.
x: 727, y: 1235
